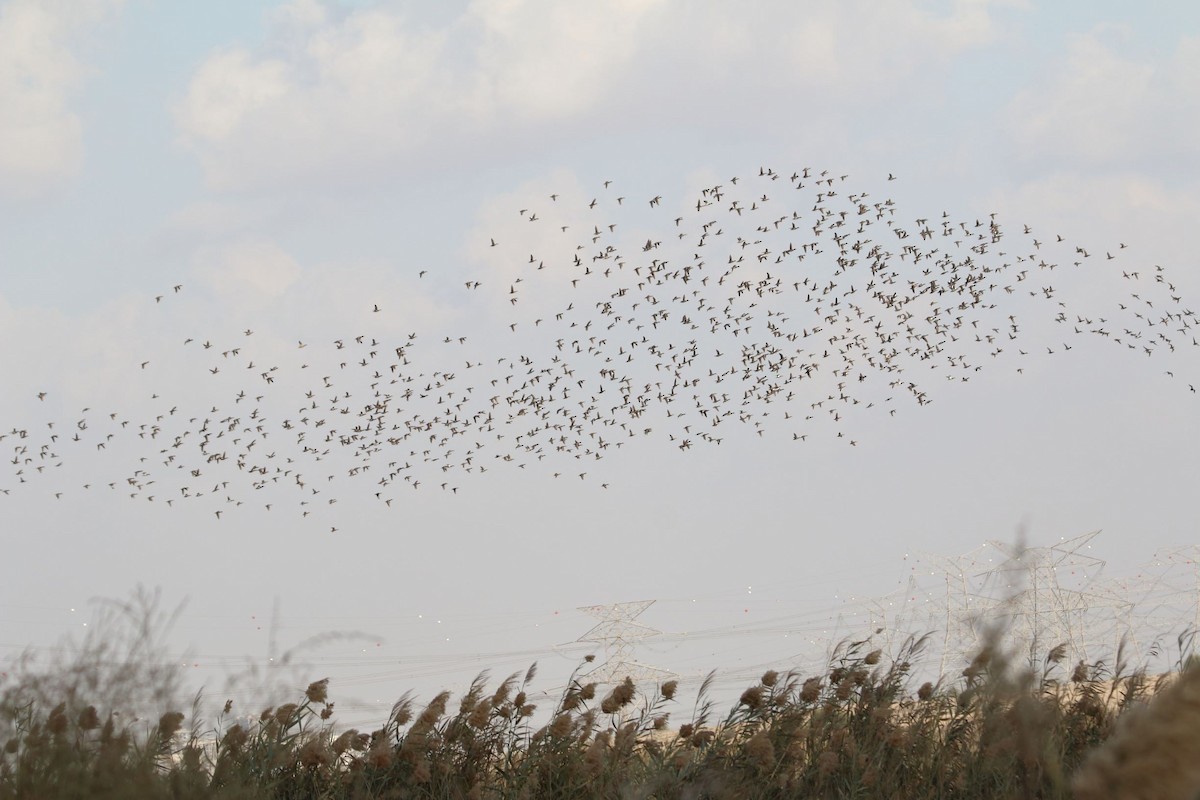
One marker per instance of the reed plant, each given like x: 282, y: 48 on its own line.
x: 863, y: 726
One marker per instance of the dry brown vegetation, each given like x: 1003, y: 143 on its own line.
x: 858, y: 729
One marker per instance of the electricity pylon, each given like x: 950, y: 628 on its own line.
x: 617, y: 633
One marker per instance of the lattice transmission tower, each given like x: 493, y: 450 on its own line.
x: 1044, y: 596
x: 617, y: 633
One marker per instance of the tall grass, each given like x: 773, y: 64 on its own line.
x: 860, y: 728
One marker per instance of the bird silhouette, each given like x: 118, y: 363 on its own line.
x: 772, y: 306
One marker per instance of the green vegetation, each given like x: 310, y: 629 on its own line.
x: 860, y: 729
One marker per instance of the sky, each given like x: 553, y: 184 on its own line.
x: 292, y: 167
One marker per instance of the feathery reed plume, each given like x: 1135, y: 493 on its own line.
x: 286, y: 713
x: 88, y: 719
x: 752, y: 698
x: 760, y: 751
x: 619, y: 697
x: 401, y: 710
x: 317, y: 691
x: 169, y: 724
x: 1154, y: 753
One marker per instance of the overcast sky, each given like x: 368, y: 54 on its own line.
x: 293, y: 166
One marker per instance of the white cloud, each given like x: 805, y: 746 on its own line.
x: 333, y: 91
x: 41, y: 137
x: 1103, y: 107
x: 211, y: 219
x: 256, y: 282
x: 1111, y: 135
x: 242, y: 282
x: 500, y: 219
x: 247, y: 272
x: 1103, y: 210
x: 540, y: 61
x: 226, y: 88
x: 78, y: 360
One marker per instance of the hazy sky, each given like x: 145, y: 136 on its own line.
x: 293, y: 165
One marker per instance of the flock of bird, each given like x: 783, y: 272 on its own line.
x: 775, y: 304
